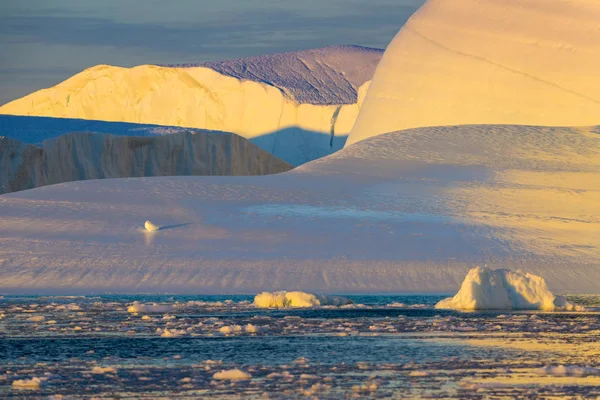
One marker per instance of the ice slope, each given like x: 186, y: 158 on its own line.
x: 528, y: 62
x: 410, y: 211
x: 302, y: 103
x: 80, y: 156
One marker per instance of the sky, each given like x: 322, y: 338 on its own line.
x: 43, y: 42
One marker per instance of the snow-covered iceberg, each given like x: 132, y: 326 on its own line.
x: 403, y: 212
x: 458, y: 62
x: 298, y: 106
x: 502, y: 289
x: 285, y: 299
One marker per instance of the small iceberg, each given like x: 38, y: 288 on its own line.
x: 502, y: 289
x: 150, y: 227
x: 232, y: 375
x: 285, y: 299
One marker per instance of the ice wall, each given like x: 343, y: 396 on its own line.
x: 81, y: 156
x: 457, y: 62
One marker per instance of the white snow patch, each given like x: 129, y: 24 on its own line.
x: 232, y: 375
x: 502, y: 289
x: 285, y: 299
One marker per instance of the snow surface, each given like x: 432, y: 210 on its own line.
x: 27, y: 384
x: 285, y: 299
x: 298, y: 106
x: 502, y: 289
x: 456, y: 62
x: 410, y: 211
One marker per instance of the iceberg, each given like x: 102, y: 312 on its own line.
x: 298, y: 106
x: 84, y: 156
x: 459, y: 62
x: 502, y: 289
x: 285, y: 299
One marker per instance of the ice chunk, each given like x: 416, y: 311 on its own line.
x: 297, y: 300
x: 232, y: 375
x: 31, y: 384
x: 103, y: 370
x: 502, y: 289
x: 150, y: 227
x: 150, y: 308
x: 568, y: 370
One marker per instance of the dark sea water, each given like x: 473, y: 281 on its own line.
x: 380, y: 347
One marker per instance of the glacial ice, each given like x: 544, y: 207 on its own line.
x: 82, y: 156
x: 285, y: 299
x: 501, y: 289
x: 459, y: 62
x: 150, y: 308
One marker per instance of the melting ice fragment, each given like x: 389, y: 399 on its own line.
x: 150, y: 227
x: 285, y: 299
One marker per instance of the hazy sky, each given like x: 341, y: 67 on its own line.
x: 43, y: 42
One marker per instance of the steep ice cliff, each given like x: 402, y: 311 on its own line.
x: 410, y: 211
x: 456, y: 62
x: 81, y: 156
x: 307, y: 100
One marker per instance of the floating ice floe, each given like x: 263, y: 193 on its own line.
x: 502, y: 289
x: 103, y: 370
x: 31, y: 384
x: 150, y: 308
x: 285, y: 299
x: 150, y: 227
x: 232, y: 375
x: 568, y: 370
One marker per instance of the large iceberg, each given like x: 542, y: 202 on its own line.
x: 502, y: 289
x: 298, y: 106
x: 457, y: 62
